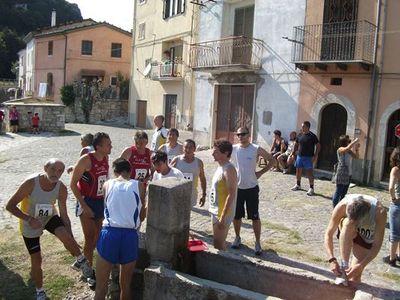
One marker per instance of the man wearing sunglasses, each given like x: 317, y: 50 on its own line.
x: 244, y: 157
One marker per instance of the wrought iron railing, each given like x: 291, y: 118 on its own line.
x: 167, y: 70
x: 230, y: 51
x: 335, y: 42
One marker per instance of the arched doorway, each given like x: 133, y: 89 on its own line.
x: 391, y: 142
x: 333, y: 125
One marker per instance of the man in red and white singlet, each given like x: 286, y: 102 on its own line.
x: 88, y: 177
x: 138, y: 156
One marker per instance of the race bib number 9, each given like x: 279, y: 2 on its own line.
x: 188, y: 176
x: 43, y: 210
x: 140, y: 174
x: 100, y: 182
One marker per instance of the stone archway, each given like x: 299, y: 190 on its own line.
x: 319, y: 105
x: 382, y: 137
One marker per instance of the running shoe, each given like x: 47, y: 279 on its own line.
x: 86, y: 269
x: 342, y: 279
x: 296, y: 188
x: 76, y: 265
x: 41, y: 296
x: 387, y: 260
x: 236, y: 243
x: 257, y: 248
x: 310, y: 192
x: 91, y: 281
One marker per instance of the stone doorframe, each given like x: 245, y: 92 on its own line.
x: 330, y: 99
x: 382, y: 135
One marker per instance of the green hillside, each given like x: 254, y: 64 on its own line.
x: 19, y: 17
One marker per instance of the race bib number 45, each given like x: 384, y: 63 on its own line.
x: 100, y: 182
x: 43, y: 210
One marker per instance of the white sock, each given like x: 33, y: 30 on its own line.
x: 39, y: 290
x: 80, y: 258
x: 344, y: 264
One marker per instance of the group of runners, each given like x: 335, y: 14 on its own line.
x: 111, y: 210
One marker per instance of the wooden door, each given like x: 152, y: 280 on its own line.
x: 391, y: 142
x: 339, y: 30
x: 170, y: 110
x: 333, y: 125
x: 141, y: 113
x: 234, y: 109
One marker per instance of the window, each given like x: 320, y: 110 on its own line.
x: 50, y: 48
x: 113, y: 80
x: 49, y: 91
x: 147, y: 64
x: 116, y: 49
x: 87, y: 47
x: 173, y: 7
x: 142, y: 31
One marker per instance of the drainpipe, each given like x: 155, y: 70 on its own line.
x: 65, y: 59
x: 132, y: 104
x: 371, y: 101
x: 379, y: 80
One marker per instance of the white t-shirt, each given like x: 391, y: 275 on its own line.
x: 245, y: 162
x: 173, y: 172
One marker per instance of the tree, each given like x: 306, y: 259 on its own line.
x: 10, y: 44
x: 68, y: 95
x: 16, y: 21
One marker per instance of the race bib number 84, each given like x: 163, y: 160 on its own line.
x: 43, y: 210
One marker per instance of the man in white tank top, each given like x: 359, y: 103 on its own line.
x: 244, y: 157
x: 118, y: 243
x: 37, y: 212
x: 360, y: 221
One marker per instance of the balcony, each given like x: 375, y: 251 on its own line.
x: 166, y: 71
x: 232, y: 54
x: 339, y: 43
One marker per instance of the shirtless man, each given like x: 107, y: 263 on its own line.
x: 38, y: 196
x: 89, y: 174
x: 361, y: 221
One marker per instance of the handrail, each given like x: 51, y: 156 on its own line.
x: 334, y: 42
x: 229, y: 51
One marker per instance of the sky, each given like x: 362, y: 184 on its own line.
x: 115, y: 12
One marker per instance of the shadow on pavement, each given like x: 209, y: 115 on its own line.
x: 13, y: 286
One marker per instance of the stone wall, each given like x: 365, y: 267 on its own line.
x: 102, y: 110
x: 52, y: 116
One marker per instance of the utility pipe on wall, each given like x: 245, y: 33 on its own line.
x: 371, y: 97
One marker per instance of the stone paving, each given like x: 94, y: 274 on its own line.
x: 293, y: 223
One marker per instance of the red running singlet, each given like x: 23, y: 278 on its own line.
x: 92, y: 181
x: 140, y: 164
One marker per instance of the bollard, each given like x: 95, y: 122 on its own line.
x: 168, y: 219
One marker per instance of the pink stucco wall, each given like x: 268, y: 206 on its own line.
x: 67, y: 68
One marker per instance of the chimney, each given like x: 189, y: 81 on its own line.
x: 53, y: 18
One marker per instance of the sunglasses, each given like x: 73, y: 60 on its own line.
x: 241, y: 134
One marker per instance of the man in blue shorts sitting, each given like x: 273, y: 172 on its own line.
x: 307, y: 147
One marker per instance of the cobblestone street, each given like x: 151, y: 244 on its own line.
x: 293, y: 224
